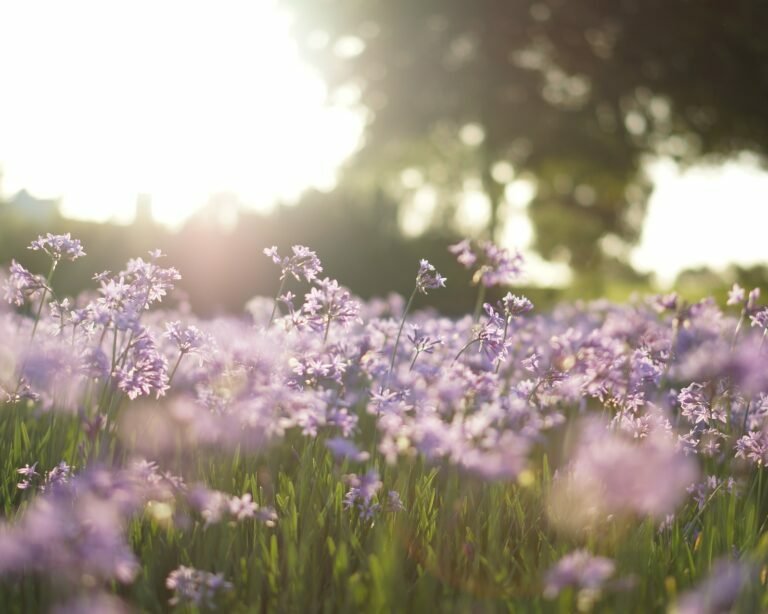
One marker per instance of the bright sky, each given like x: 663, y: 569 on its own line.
x: 178, y: 99
x: 183, y: 99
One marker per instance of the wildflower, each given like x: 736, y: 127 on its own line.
x: 394, y: 503
x: 514, y: 305
x: 188, y: 339
x: 29, y: 474
x: 753, y: 447
x: 595, y: 484
x: 362, y: 492
x: 344, y: 448
x: 428, y: 278
x: 22, y: 285
x: 192, y: 586
x: 242, y: 507
x: 329, y: 302
x: 302, y: 263
x: 718, y: 592
x: 695, y: 407
x: 580, y: 570
x: 736, y: 295
x: 760, y: 319
x: 422, y: 343
x: 58, y: 246
x: 498, y: 266
x: 144, y: 371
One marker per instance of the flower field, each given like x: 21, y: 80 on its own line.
x: 323, y: 453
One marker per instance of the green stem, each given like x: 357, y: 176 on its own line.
x: 413, y: 362
x: 738, y: 328
x: 399, y: 332
x: 503, y: 341
x: 277, y: 296
x: 479, y: 303
x: 45, y: 293
x: 462, y: 350
x: 175, y: 367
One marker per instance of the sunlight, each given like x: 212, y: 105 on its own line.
x: 705, y: 216
x: 178, y: 100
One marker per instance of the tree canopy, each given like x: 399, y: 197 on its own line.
x: 570, y: 93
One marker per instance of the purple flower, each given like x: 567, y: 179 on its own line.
x: 754, y: 447
x: 516, y: 305
x: 760, y: 319
x: 302, y: 263
x: 188, y: 339
x: 421, y: 342
x: 242, y: 507
x: 736, y: 295
x: 719, y: 592
x: 579, y: 570
x: 192, y: 586
x: 58, y: 246
x: 394, y: 502
x: 497, y: 265
x: 428, y: 278
x: 29, y: 474
x: 463, y: 252
x: 362, y: 492
x: 344, y: 448
x: 595, y: 484
x: 22, y: 285
x: 145, y: 370
x: 329, y: 302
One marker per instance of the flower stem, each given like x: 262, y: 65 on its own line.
x: 478, y: 303
x: 464, y: 349
x: 277, y: 297
x: 175, y: 367
x: 399, y: 332
x: 503, y: 341
x: 42, y: 300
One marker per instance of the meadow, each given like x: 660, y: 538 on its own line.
x: 321, y: 453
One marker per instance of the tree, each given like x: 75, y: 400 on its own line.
x: 571, y: 93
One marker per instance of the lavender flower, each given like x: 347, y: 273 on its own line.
x: 188, y: 339
x: 579, y: 570
x: 719, y: 592
x: 428, y: 278
x: 242, y: 507
x: 595, y: 485
x: 58, y: 246
x: 753, y: 447
x: 192, y: 586
x: 362, y: 492
x: 497, y: 265
x: 329, y: 302
x: 736, y: 295
x: 760, y: 319
x: 29, y: 474
x: 514, y: 305
x: 302, y: 263
x: 22, y: 285
x: 344, y: 448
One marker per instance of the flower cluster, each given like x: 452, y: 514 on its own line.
x: 580, y: 570
x: 427, y: 278
x: 494, y: 265
x: 192, y: 586
x: 303, y: 262
x: 58, y: 246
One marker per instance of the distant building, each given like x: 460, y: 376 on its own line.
x: 28, y: 207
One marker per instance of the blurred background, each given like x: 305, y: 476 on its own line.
x: 619, y: 144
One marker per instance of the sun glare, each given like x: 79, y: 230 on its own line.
x: 179, y: 100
